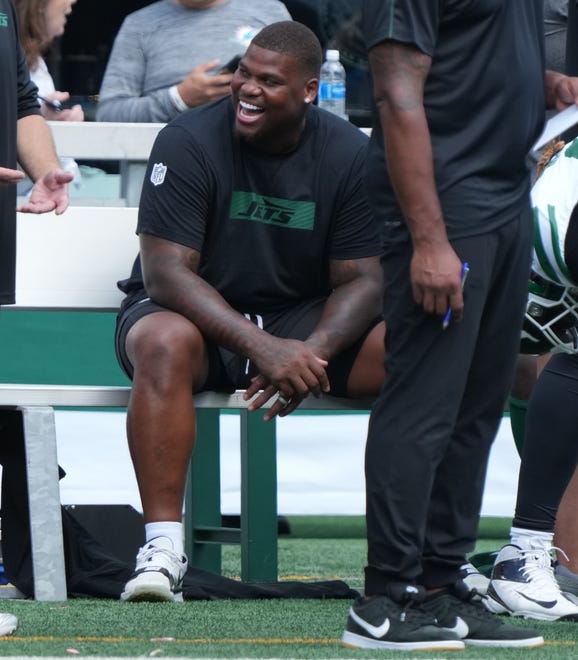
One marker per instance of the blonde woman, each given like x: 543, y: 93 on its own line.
x: 41, y: 22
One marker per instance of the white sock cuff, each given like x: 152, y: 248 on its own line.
x: 167, y: 529
x: 530, y: 538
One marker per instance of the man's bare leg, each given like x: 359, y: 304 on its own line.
x: 170, y: 361
x: 368, y: 371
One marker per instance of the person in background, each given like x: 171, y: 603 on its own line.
x: 41, y: 22
x: 523, y: 581
x: 170, y: 56
x: 555, y: 25
x: 24, y: 137
x: 448, y: 179
x: 571, y: 64
x: 259, y: 269
x: 529, y: 365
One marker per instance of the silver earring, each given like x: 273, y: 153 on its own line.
x: 307, y: 99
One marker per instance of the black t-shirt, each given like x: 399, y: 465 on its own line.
x: 484, y: 101
x: 17, y: 100
x: 266, y: 225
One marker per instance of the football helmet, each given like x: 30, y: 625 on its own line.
x: 551, y: 318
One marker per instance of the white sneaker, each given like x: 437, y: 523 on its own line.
x: 8, y: 624
x: 523, y: 584
x: 473, y: 579
x: 158, y: 575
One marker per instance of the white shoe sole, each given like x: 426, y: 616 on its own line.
x: 354, y: 641
x: 527, y: 612
x: 150, y: 586
x: 530, y: 642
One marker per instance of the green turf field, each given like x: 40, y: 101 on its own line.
x: 317, y: 549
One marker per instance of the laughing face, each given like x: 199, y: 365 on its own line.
x: 270, y: 94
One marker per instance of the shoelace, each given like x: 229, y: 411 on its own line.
x: 538, y: 568
x: 473, y: 603
x: 411, y: 612
x: 146, y: 553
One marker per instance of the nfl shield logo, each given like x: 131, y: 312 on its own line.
x: 158, y: 174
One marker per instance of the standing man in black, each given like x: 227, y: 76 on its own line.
x: 460, y: 93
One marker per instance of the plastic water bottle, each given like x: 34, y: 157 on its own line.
x: 332, y: 85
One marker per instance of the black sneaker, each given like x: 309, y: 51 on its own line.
x: 462, y: 611
x: 382, y: 623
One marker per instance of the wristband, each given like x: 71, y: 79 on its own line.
x: 177, y: 100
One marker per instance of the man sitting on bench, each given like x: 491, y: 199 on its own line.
x: 259, y: 269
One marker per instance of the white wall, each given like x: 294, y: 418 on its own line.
x: 320, y: 464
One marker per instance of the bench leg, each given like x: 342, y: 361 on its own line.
x: 203, y: 498
x: 258, y: 498
x: 44, y: 502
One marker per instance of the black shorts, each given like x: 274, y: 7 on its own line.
x: 229, y: 371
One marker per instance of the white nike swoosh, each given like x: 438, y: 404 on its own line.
x: 375, y: 631
x: 460, y: 627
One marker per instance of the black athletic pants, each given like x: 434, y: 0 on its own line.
x: 550, y: 451
x: 432, y: 426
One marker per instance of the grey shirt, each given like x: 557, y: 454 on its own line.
x: 555, y: 22
x: 159, y: 45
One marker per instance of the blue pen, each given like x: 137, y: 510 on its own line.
x: 51, y: 103
x: 448, y: 316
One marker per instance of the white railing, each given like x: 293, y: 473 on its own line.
x: 128, y: 143
x: 104, y: 140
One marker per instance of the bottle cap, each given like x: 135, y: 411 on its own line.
x: 332, y: 55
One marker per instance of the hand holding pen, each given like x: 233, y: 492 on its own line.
x: 54, y: 108
x: 448, y: 314
x: 53, y: 104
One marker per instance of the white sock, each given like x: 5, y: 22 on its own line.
x: 530, y: 539
x: 171, y: 531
